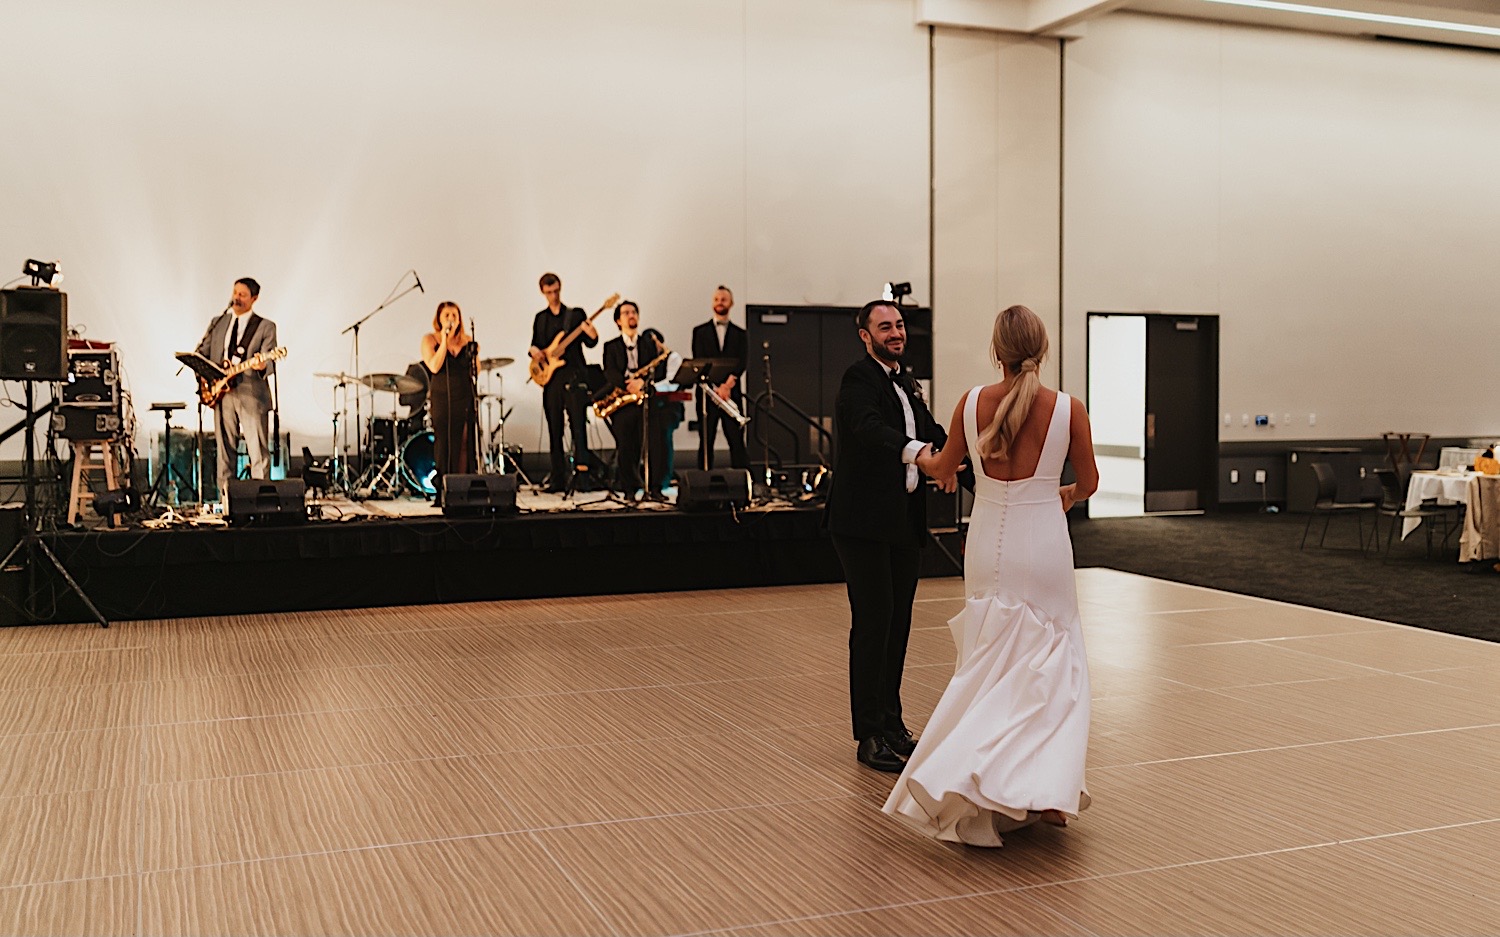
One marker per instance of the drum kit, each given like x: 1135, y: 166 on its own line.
x: 397, y: 454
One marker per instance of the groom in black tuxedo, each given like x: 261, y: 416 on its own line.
x: 877, y: 516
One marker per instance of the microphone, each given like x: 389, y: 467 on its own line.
x: 419, y: 281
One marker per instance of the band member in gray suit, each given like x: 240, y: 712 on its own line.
x: 235, y: 336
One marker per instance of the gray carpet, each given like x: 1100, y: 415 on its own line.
x: 1257, y: 554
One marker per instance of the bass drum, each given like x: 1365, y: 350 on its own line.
x: 419, y: 463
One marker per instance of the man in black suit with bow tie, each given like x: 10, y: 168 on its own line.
x: 877, y: 517
x: 720, y: 338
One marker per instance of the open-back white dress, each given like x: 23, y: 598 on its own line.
x: 1009, y: 737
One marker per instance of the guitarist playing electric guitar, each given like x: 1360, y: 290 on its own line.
x: 236, y: 337
x: 558, y: 337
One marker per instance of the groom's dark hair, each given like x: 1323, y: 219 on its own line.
x: 862, y: 318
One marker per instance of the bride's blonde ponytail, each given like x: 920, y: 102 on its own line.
x: 1018, y: 345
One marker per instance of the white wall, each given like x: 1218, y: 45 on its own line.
x: 161, y: 149
x: 995, y: 191
x: 1334, y: 200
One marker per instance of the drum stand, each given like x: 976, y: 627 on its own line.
x: 338, y: 458
x: 382, y: 481
x: 496, y: 454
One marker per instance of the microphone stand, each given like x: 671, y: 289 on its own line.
x: 475, y: 435
x: 277, y: 454
x: 358, y: 413
x: 770, y: 396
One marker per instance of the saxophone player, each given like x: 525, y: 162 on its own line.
x: 634, y: 422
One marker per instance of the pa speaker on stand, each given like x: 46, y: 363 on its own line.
x: 33, y: 334
x: 33, y: 349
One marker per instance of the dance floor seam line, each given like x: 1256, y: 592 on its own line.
x: 1296, y: 745
x: 1269, y: 642
x: 568, y: 876
x: 520, y: 832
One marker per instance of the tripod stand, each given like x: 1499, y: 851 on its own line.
x: 164, y: 474
x: 31, y: 540
x: 496, y: 454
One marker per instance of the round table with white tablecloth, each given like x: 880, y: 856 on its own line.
x: 1481, y: 493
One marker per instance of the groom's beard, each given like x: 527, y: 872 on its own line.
x: 885, y: 354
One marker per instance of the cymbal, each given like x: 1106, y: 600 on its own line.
x: 491, y: 364
x: 341, y: 377
x: 394, y: 383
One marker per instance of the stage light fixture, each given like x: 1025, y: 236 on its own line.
x: 894, y: 292
x: 42, y: 272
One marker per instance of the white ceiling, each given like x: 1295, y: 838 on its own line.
x: 1070, y: 17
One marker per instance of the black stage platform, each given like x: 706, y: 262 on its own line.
x: 179, y: 573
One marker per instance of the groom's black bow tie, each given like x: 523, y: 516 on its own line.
x: 904, y: 381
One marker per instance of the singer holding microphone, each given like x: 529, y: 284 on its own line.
x: 451, y: 358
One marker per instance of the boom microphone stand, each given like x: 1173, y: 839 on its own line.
x: 358, y: 418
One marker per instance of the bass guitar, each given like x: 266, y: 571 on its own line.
x: 212, y: 393
x: 552, y: 355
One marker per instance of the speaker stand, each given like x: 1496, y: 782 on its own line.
x: 31, y: 541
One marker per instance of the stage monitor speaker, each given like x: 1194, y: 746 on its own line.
x: 713, y: 490
x: 477, y: 495
x: 265, y: 503
x: 33, y: 335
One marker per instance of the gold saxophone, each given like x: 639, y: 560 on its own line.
x: 606, y: 406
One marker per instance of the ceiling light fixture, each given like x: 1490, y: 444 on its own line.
x: 1383, y: 18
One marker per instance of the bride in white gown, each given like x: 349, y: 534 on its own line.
x: 1006, y: 745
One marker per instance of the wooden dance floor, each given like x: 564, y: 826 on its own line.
x: 681, y: 763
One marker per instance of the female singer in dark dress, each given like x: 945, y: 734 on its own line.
x: 451, y: 357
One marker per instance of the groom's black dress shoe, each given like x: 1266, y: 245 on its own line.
x: 902, y: 743
x: 875, y: 753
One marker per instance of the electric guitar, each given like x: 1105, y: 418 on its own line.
x: 552, y: 355
x: 211, y: 394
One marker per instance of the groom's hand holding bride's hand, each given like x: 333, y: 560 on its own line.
x: 927, y: 462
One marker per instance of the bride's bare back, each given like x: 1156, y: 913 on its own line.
x: 1026, y: 448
